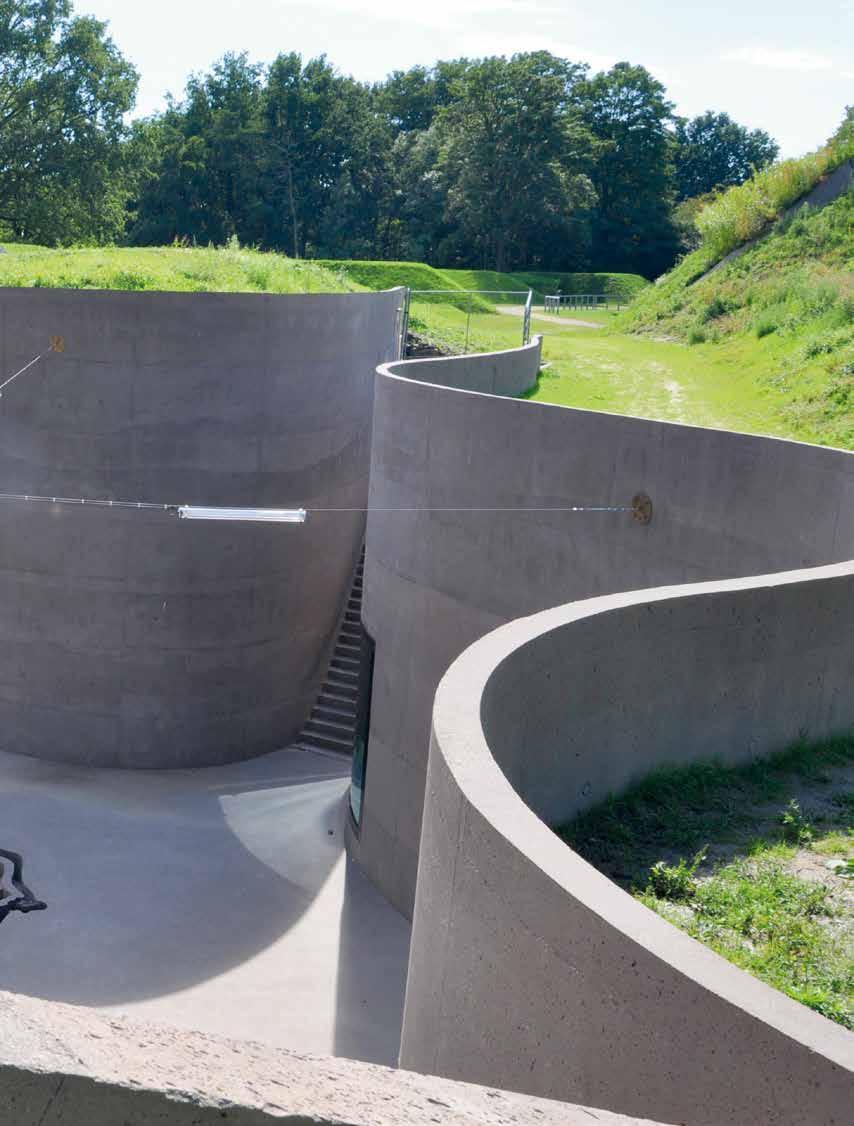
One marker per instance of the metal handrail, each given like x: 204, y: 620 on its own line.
x: 526, y: 323
x: 405, y: 309
x: 555, y: 302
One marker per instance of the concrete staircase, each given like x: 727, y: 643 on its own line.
x: 332, y: 724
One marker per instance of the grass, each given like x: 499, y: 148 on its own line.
x: 597, y: 369
x: 416, y: 275
x: 626, y: 286
x: 740, y: 858
x: 172, y: 269
x: 782, y: 314
x: 743, y: 212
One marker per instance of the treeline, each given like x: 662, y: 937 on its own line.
x: 529, y: 162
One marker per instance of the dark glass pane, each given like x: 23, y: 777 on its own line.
x: 363, y: 727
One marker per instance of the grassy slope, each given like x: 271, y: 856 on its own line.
x: 228, y: 270
x: 781, y: 315
x: 624, y: 284
x: 748, y: 901
x: 388, y: 275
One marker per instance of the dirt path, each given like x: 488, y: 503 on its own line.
x: 555, y: 322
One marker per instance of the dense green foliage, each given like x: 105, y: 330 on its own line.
x: 64, y: 91
x: 228, y: 270
x: 526, y: 163
x: 717, y: 152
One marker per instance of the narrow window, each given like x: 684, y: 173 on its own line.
x: 363, y: 727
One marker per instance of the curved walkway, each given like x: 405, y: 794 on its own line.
x: 219, y: 900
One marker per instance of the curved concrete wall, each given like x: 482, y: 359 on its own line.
x: 726, y: 505
x: 528, y: 965
x: 132, y: 639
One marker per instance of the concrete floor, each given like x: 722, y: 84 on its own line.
x: 219, y: 900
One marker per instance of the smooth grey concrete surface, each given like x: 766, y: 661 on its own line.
x: 529, y: 966
x: 725, y: 504
x: 134, y: 639
x: 219, y: 900
x: 492, y: 373
x: 64, y: 1065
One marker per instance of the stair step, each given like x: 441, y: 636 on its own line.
x: 346, y: 676
x: 341, y: 690
x: 330, y: 727
x: 347, y: 649
x: 336, y: 712
x: 327, y: 742
x: 347, y: 664
x: 337, y: 699
x: 314, y: 748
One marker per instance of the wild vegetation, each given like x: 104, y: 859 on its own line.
x: 227, y: 270
x: 784, y: 309
x: 755, y: 861
x: 531, y: 162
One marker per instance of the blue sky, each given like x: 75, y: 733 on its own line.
x: 780, y: 65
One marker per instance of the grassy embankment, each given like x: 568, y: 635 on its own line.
x: 763, y: 345
x: 171, y: 269
x: 779, y: 319
x: 755, y: 861
x: 504, y: 288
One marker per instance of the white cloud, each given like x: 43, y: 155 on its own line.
x: 779, y: 58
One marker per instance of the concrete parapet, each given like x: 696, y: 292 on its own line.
x: 65, y: 1065
x: 469, y: 529
x: 530, y: 967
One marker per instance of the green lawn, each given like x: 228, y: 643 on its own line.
x: 182, y: 269
x: 730, y: 386
x: 755, y: 861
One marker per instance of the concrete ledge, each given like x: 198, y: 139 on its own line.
x: 529, y: 965
x: 508, y: 373
x: 64, y: 1065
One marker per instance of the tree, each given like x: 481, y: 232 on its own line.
x: 511, y: 153
x: 327, y: 159
x: 628, y: 114
x: 713, y: 151
x: 64, y: 93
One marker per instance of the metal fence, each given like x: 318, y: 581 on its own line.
x: 454, y: 297
x: 557, y: 302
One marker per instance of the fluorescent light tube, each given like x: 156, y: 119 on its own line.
x: 244, y: 515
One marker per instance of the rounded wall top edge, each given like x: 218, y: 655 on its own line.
x: 460, y: 739
x: 395, y: 370
x: 189, y: 296
x: 390, y: 367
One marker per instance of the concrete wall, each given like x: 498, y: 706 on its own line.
x: 490, y: 373
x: 132, y: 639
x: 64, y: 1065
x: 725, y: 505
x: 530, y: 966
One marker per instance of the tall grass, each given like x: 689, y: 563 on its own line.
x: 229, y: 269
x: 744, y: 212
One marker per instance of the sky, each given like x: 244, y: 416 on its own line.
x: 785, y: 66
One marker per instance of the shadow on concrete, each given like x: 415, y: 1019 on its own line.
x: 157, y: 882
x: 373, y: 957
